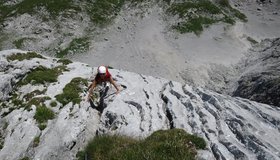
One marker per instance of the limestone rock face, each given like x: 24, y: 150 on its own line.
x: 261, y: 75
x: 234, y: 128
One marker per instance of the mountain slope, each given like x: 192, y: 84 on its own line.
x: 234, y: 128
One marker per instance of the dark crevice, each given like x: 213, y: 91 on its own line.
x: 159, y: 115
x: 119, y: 76
x: 146, y: 93
x: 165, y: 105
x: 262, y: 116
x: 72, y: 145
x: 217, y: 154
x: 144, y: 78
x: 211, y: 111
x: 110, y: 119
x: 234, y: 150
x: 140, y: 109
x: 176, y: 94
x: 151, y: 116
x: 250, y: 141
x: 168, y: 112
x: 191, y: 95
x: 124, y: 86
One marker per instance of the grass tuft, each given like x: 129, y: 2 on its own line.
x: 161, y: 145
x: 43, y: 114
x: 42, y: 126
x: 36, y: 141
x: 71, y: 91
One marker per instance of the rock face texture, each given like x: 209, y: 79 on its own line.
x: 234, y: 128
x: 261, y: 76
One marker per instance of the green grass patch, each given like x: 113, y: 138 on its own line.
x: 64, y: 61
x: 161, y: 145
x: 24, y: 56
x: 43, y: 114
x: 71, y: 91
x: 38, y: 101
x: 42, y: 75
x: 78, y: 45
x: 54, y: 7
x: 194, y: 16
x: 19, y: 43
x: 231, y: 12
x: 224, y: 3
x: 32, y: 94
x: 239, y: 15
x: 102, y: 12
x: 182, y: 9
x: 194, y: 25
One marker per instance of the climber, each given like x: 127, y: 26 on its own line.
x: 102, y: 75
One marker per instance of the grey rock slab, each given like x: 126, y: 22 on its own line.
x: 234, y: 128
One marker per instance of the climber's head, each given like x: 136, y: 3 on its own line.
x: 101, y: 70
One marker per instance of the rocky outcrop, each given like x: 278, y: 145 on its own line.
x: 260, y: 80
x: 234, y: 128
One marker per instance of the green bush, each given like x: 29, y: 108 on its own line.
x: 161, y: 145
x: 71, y: 91
x: 43, y: 114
